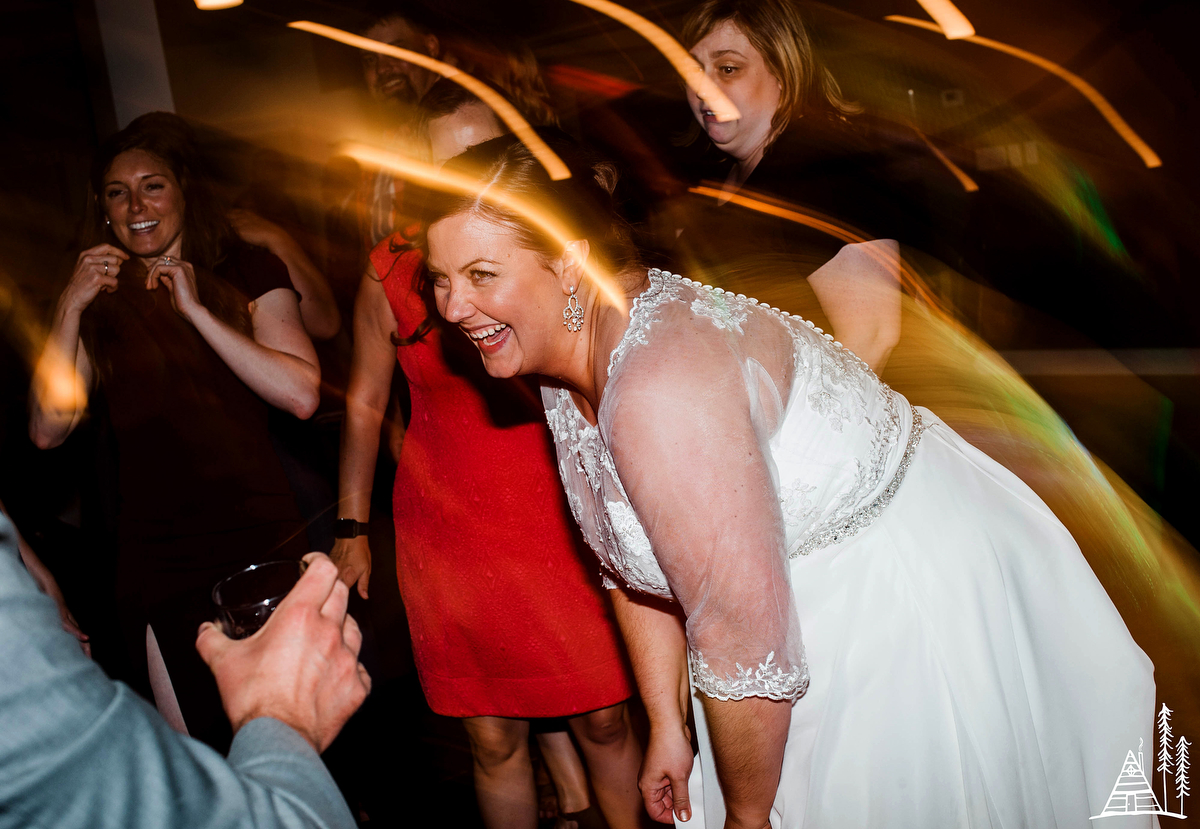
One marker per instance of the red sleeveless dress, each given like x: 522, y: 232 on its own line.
x: 503, y: 598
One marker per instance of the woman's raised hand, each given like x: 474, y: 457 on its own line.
x: 95, y: 271
x: 180, y: 280
x: 665, y: 771
x: 253, y: 229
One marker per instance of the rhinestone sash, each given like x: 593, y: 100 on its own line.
x: 865, y: 515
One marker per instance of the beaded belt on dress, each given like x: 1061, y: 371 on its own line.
x: 863, y: 516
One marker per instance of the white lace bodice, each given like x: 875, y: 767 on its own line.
x: 716, y: 402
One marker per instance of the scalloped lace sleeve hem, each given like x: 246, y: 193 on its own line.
x: 767, y: 680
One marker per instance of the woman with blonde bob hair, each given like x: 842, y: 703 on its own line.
x: 795, y: 143
x: 775, y: 30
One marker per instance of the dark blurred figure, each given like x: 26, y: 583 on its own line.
x: 801, y: 145
x: 193, y: 335
x: 266, y: 216
x: 794, y: 142
x: 797, y: 140
x: 363, y: 206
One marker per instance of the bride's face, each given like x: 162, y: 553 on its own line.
x: 498, y: 292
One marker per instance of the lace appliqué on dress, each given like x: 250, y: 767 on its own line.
x: 717, y: 308
x: 795, y: 503
x: 767, y: 680
x: 839, y: 381
x: 614, y: 531
x: 664, y: 286
x: 862, y: 518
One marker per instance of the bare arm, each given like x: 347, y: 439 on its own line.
x: 371, y: 367
x: 859, y: 290
x: 63, y: 374
x: 683, y: 437
x: 318, y: 309
x: 279, y: 363
x: 654, y: 637
x: 748, y: 737
x: 61, y: 380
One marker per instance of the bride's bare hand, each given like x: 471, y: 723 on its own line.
x: 664, y: 776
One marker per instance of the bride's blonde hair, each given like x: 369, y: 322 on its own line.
x: 584, y: 204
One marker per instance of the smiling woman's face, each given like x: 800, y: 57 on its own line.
x: 497, y: 291
x: 728, y: 58
x: 144, y: 203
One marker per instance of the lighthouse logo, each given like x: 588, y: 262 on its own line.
x: 1133, y: 794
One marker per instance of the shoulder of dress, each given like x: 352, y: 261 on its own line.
x: 664, y: 287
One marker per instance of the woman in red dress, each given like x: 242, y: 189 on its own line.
x: 508, y: 623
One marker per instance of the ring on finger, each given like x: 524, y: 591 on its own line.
x: 106, y: 268
x: 166, y: 260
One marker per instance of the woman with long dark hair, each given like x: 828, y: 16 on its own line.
x: 190, y: 335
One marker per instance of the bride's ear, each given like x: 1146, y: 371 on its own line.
x: 573, y: 264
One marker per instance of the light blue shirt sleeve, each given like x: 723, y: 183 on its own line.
x: 79, y: 750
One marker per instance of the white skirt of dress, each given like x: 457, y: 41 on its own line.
x: 967, y: 667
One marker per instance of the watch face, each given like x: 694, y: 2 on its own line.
x: 347, y: 528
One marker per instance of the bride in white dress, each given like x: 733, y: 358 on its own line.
x: 874, y: 623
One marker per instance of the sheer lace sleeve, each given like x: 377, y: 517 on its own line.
x: 687, y: 424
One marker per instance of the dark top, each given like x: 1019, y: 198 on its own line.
x: 194, y: 455
x: 867, y: 181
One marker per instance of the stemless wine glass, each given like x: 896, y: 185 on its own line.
x: 247, y: 599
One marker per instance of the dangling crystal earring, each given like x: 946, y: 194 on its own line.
x: 108, y: 222
x: 573, y: 313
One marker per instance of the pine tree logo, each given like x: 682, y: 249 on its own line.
x: 1181, y: 770
x: 1132, y: 794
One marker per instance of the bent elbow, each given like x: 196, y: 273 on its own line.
x: 305, y: 404
x: 42, y: 438
x: 324, y: 325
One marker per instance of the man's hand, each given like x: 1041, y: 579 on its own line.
x: 664, y: 776
x: 302, y: 667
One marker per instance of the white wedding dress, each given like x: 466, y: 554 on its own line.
x: 952, y: 659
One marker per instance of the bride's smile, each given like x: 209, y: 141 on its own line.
x: 504, y: 296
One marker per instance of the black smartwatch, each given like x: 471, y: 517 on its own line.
x: 349, y: 528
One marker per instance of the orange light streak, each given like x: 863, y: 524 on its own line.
x: 1148, y: 156
x: 684, y: 64
x: 841, y: 232
x: 503, y: 109
x: 451, y: 181
x: 214, y: 5
x: 953, y: 23
x: 965, y: 180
